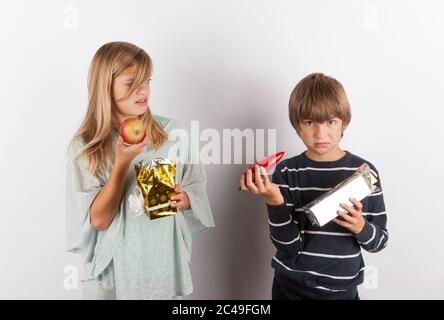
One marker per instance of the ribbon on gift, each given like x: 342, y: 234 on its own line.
x: 136, y: 202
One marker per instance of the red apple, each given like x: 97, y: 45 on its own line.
x: 132, y: 131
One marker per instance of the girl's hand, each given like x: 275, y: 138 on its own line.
x: 354, y: 221
x: 181, y: 198
x: 261, y: 186
x: 126, y: 154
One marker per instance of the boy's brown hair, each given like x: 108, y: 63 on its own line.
x: 318, y: 97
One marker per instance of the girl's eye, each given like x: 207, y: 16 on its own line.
x: 332, y: 122
x: 129, y: 84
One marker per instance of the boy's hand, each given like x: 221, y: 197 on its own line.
x: 261, y: 186
x: 354, y: 221
x: 181, y: 198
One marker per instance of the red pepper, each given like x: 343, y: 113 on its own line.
x: 268, y: 163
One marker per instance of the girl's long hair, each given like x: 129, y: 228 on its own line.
x: 95, y: 132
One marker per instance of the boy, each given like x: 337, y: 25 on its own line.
x: 313, y: 262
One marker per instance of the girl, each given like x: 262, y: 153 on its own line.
x: 128, y: 256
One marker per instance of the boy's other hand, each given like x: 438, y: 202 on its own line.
x: 354, y: 220
x: 261, y: 186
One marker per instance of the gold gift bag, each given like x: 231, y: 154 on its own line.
x: 156, y: 180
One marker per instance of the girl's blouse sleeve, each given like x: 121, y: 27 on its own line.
x: 199, y: 218
x: 80, y: 191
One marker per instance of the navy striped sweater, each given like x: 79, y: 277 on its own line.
x: 325, y: 260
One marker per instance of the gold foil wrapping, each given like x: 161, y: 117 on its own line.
x: 156, y: 180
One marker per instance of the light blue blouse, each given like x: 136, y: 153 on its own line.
x: 137, y: 258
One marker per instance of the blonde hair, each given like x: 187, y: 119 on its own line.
x: 95, y: 132
x: 317, y: 97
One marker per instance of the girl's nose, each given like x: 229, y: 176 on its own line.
x: 143, y: 89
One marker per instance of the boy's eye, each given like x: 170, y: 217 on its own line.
x: 308, y: 122
x: 333, y: 121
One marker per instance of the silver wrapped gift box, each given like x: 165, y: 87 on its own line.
x: 359, y: 185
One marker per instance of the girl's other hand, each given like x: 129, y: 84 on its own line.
x: 181, y: 198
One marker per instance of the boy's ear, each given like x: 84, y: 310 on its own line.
x: 297, y: 131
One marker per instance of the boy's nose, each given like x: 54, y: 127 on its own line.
x: 319, y: 129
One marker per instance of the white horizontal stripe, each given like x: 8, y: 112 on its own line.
x: 328, y: 289
x: 373, y: 235
x: 373, y: 213
x: 289, y: 204
x: 329, y: 255
x: 341, y: 234
x: 380, y: 241
x: 299, y: 210
x: 302, y: 189
x: 283, y: 242
x: 278, y: 224
x: 318, y: 169
x: 324, y: 169
x: 295, y: 222
x: 375, y: 194
x: 320, y: 274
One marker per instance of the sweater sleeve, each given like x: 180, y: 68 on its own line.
x: 284, y: 231
x: 374, y: 235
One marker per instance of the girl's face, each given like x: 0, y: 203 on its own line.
x: 134, y: 105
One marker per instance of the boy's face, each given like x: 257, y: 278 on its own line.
x: 134, y: 105
x: 321, y: 138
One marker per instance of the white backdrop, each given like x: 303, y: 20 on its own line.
x: 228, y: 64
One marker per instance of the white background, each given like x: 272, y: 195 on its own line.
x: 228, y: 64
